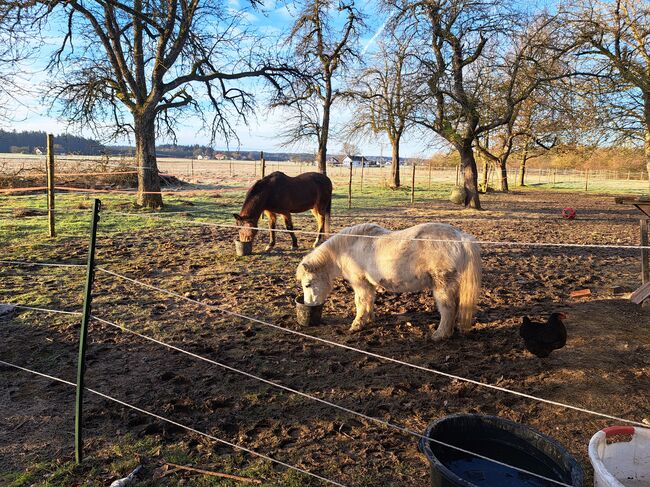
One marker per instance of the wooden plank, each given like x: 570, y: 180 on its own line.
x: 631, y: 200
x: 641, y: 294
x: 580, y: 293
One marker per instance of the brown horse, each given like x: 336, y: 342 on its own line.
x: 279, y: 194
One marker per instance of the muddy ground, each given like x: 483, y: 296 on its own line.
x: 604, y: 367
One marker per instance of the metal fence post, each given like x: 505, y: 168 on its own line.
x: 50, y: 184
x: 81, y: 361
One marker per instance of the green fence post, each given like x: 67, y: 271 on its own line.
x: 81, y: 361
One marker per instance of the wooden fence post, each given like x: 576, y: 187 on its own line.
x: 430, y: 167
x: 83, y: 334
x: 413, y: 183
x: 350, y: 186
x: 457, y: 174
x: 263, y: 164
x: 645, y: 253
x: 586, y: 179
x: 363, y: 163
x: 50, y: 185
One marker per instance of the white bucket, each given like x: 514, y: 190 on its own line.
x: 622, y: 464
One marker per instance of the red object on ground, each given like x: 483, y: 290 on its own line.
x: 569, y: 213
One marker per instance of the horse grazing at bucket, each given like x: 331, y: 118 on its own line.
x: 279, y: 194
x: 427, y: 256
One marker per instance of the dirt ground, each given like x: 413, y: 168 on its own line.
x: 605, y: 365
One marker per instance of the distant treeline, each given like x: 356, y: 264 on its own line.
x: 195, y: 151
x: 34, y: 142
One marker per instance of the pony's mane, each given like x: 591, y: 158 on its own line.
x: 318, y: 258
x: 341, y: 239
x: 322, y: 256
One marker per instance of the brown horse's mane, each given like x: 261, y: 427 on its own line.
x: 255, y: 200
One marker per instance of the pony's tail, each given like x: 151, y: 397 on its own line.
x: 470, y: 285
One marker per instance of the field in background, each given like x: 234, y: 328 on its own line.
x: 211, y: 173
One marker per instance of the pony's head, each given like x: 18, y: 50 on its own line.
x: 247, y: 228
x: 316, y: 282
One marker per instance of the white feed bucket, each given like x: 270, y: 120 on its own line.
x: 622, y: 464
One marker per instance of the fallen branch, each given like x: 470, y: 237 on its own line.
x: 215, y: 474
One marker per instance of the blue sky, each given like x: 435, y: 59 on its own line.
x: 30, y: 113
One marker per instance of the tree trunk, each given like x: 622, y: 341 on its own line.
x: 470, y: 175
x: 321, y: 156
x: 486, y: 169
x: 647, y: 152
x: 395, y: 163
x: 504, y: 175
x: 325, y: 129
x: 522, y: 168
x: 646, y: 112
x: 145, y: 158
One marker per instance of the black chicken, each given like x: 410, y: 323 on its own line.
x: 541, y: 339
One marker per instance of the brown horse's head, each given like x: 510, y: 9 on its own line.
x: 247, y: 228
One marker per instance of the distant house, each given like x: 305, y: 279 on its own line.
x: 355, y: 161
x: 334, y: 161
x: 220, y: 157
x: 38, y: 151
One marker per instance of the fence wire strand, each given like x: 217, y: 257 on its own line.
x: 175, y: 423
x: 372, y: 419
x: 38, y: 264
x: 388, y: 236
x: 370, y: 354
x: 277, y: 385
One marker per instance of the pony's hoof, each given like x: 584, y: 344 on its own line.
x: 356, y: 327
x: 438, y: 336
x: 295, y: 247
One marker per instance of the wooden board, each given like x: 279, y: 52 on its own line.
x: 641, y: 294
x: 642, y: 203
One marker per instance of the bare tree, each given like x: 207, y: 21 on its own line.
x: 549, y: 116
x: 134, y: 68
x: 384, y: 95
x: 615, y: 38
x: 469, y: 39
x: 324, y: 50
x: 350, y: 149
x: 13, y: 51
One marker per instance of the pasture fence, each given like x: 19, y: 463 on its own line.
x: 372, y: 419
x: 175, y: 423
x: 250, y: 375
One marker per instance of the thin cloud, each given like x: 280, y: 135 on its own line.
x: 375, y: 36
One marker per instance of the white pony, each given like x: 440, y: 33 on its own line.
x: 427, y: 256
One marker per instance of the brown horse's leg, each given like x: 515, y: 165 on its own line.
x: 289, y: 224
x: 272, y: 218
x: 320, y: 221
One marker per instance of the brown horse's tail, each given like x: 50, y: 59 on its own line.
x: 328, y: 211
x: 328, y: 219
